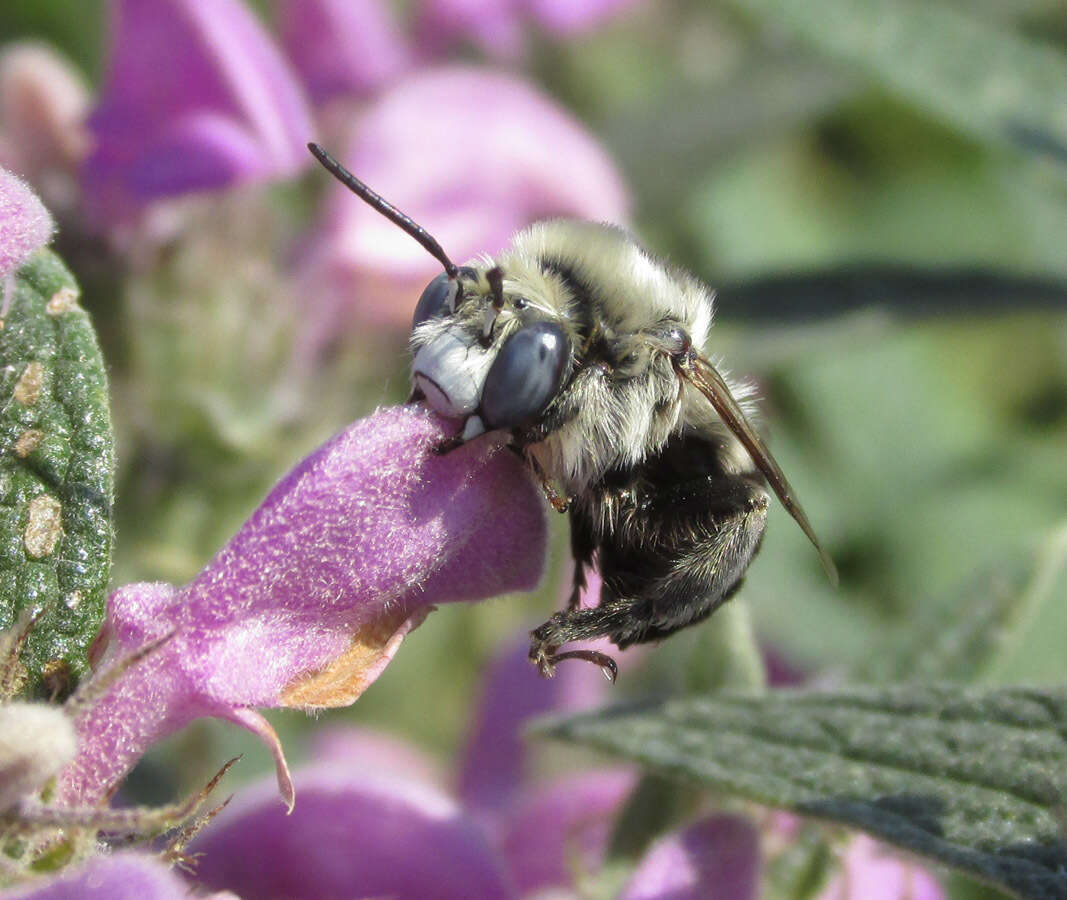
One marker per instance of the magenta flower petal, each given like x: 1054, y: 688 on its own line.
x: 25, y: 225
x: 530, y: 160
x: 309, y: 601
x: 495, y: 761
x: 718, y: 856
x: 872, y: 871
x: 197, y: 97
x: 366, y: 751
x: 351, y: 835
x: 551, y: 826
x: 342, y: 48
x: 122, y: 876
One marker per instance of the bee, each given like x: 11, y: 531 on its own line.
x: 584, y: 351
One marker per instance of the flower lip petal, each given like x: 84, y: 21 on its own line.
x: 309, y: 600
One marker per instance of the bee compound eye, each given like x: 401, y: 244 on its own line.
x: 525, y: 375
x: 434, y: 301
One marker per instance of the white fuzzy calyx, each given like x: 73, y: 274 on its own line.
x: 36, y: 741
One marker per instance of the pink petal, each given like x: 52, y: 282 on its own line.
x: 176, y: 66
x: 871, y: 871
x: 495, y: 761
x: 25, y: 225
x: 370, y: 752
x: 352, y: 835
x: 551, y: 826
x: 342, y: 47
x: 716, y: 857
x: 472, y: 155
x: 308, y: 602
x: 121, y: 876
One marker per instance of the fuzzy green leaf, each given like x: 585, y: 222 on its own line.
x: 56, y: 474
x: 972, y: 778
x: 977, y: 75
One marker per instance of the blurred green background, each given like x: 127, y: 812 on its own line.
x: 885, y: 219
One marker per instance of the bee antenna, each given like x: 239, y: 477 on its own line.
x: 383, y: 206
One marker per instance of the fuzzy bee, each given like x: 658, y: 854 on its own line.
x: 584, y: 350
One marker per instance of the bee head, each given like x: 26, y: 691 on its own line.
x: 484, y: 351
x: 481, y: 353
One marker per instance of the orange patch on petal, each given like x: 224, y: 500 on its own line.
x: 342, y: 681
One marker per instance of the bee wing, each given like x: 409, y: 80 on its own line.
x: 700, y: 373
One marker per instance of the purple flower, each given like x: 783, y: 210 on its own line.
x: 197, y: 97
x: 370, y: 823
x: 123, y: 876
x: 342, y: 48
x: 717, y: 856
x: 497, y: 25
x: 472, y: 155
x: 353, y: 834
x: 25, y: 225
x: 308, y: 602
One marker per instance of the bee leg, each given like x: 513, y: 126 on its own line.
x: 559, y: 503
x: 689, y: 556
x: 582, y: 547
x: 575, y: 625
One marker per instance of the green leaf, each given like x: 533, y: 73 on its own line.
x: 971, y: 778
x: 967, y: 634
x: 978, y: 76
x: 56, y: 474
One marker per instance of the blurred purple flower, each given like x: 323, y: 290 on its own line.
x: 353, y: 834
x: 366, y: 827
x: 308, y: 602
x: 472, y: 155
x: 123, y: 876
x: 197, y: 97
x: 497, y: 25
x: 346, y: 48
x: 717, y: 856
x: 872, y: 871
x: 25, y: 227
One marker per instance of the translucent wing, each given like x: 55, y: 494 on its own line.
x: 700, y: 373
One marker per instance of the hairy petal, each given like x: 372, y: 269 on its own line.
x: 197, y: 97
x: 308, y: 602
x: 25, y: 225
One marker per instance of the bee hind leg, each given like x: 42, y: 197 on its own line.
x: 575, y: 625
x: 687, y: 559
